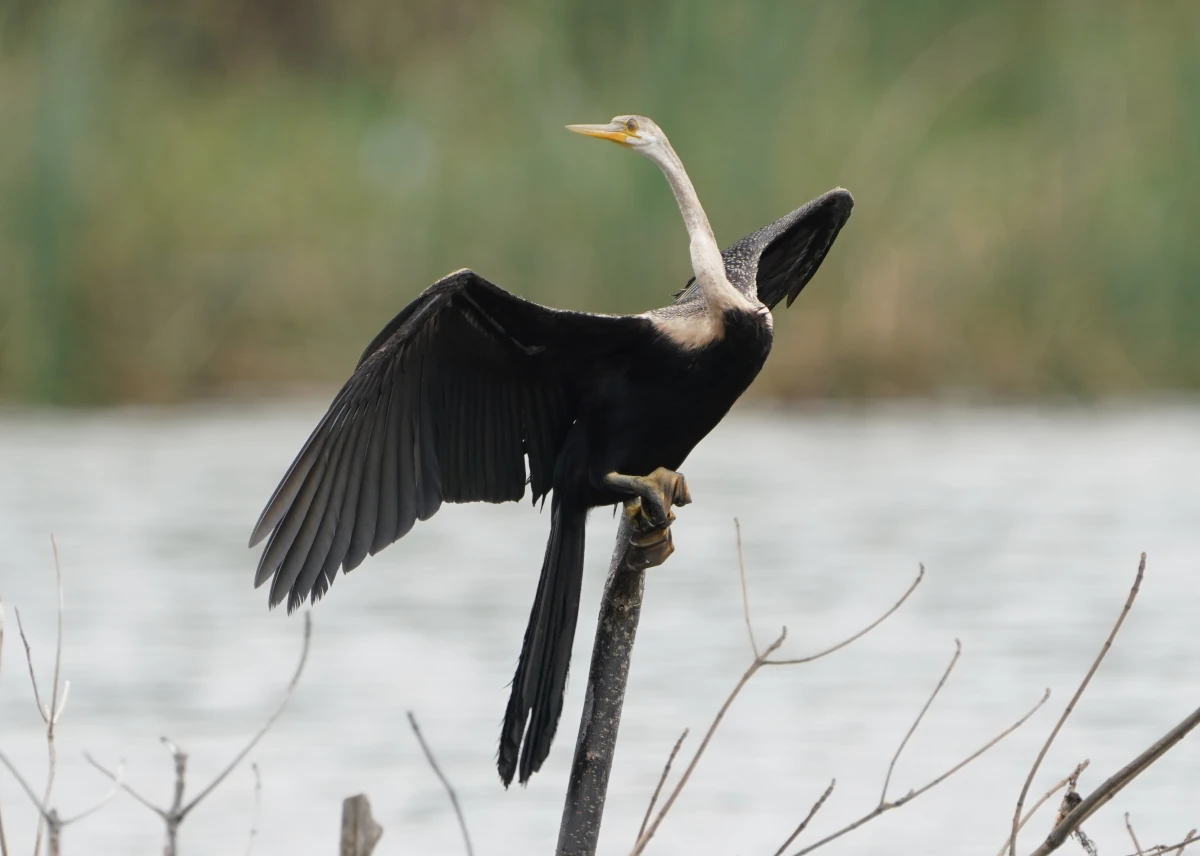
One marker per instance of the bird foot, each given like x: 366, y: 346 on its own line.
x: 657, y: 491
x: 649, y: 512
x: 652, y: 542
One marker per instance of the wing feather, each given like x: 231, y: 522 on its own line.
x: 445, y: 404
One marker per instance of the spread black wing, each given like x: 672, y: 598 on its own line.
x: 444, y: 406
x: 779, y: 259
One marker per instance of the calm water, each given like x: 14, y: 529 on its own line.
x: 1029, y: 522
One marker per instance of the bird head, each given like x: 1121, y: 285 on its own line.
x: 630, y: 132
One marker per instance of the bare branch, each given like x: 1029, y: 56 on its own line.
x: 50, y: 713
x: 113, y: 777
x: 104, y: 800
x: 916, y: 722
x: 1164, y: 849
x: 55, y: 709
x: 1069, y: 780
x: 33, y: 798
x: 812, y: 812
x: 860, y: 634
x: 912, y: 795
x: 666, y: 770
x: 37, y: 696
x: 644, y: 838
x: 287, y: 695
x: 462, y: 822
x: 1133, y: 836
x: 1133, y: 592
x: 761, y: 658
x: 172, y: 817
x: 737, y: 527
x: 1115, y: 784
x: 257, y: 808
x: 179, y: 758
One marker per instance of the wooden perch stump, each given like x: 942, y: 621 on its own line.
x: 360, y: 832
x: 616, y: 630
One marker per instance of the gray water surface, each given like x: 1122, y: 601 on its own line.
x: 1029, y: 522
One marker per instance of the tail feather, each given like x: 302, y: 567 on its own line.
x: 540, y: 682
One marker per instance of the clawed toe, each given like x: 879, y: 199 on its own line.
x: 649, y: 512
x: 652, y: 549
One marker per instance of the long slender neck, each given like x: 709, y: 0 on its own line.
x: 707, y: 263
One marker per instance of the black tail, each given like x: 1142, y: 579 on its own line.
x: 541, y: 678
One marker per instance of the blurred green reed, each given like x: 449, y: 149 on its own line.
x: 214, y: 195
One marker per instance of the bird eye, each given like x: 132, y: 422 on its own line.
x: 630, y: 125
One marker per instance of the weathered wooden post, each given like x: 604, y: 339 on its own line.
x: 360, y: 832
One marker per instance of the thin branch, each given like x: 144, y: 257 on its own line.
x: 175, y: 815
x: 124, y: 785
x: 25, y: 786
x: 55, y: 708
x: 916, y: 722
x: 1133, y: 592
x: 37, y: 697
x: 761, y: 658
x: 104, y: 800
x: 1164, y: 849
x: 666, y: 770
x: 462, y: 822
x: 798, y: 660
x: 1116, y: 783
x: 287, y: 695
x: 912, y: 795
x: 50, y: 713
x: 737, y: 527
x: 811, y: 814
x: 257, y: 808
x: 644, y: 839
x: 1133, y: 836
x: 1069, y: 780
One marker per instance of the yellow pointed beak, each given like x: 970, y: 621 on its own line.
x: 614, y: 131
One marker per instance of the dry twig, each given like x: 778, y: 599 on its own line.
x: 175, y: 815
x: 1115, y: 784
x: 462, y: 821
x: 1071, y: 780
x: 666, y: 771
x: 257, y: 808
x: 1133, y: 592
x: 49, y: 816
x: 1133, y: 836
x: 913, y: 794
x: 763, y: 658
x: 50, y: 714
x: 737, y: 528
x: 1164, y: 849
x: 808, y: 817
x: 916, y: 722
x: 645, y: 837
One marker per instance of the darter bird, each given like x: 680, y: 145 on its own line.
x: 471, y: 393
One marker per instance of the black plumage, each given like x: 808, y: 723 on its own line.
x: 470, y: 393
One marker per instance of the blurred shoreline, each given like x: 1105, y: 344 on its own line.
x: 201, y: 196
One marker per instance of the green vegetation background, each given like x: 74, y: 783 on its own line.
x: 205, y: 196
